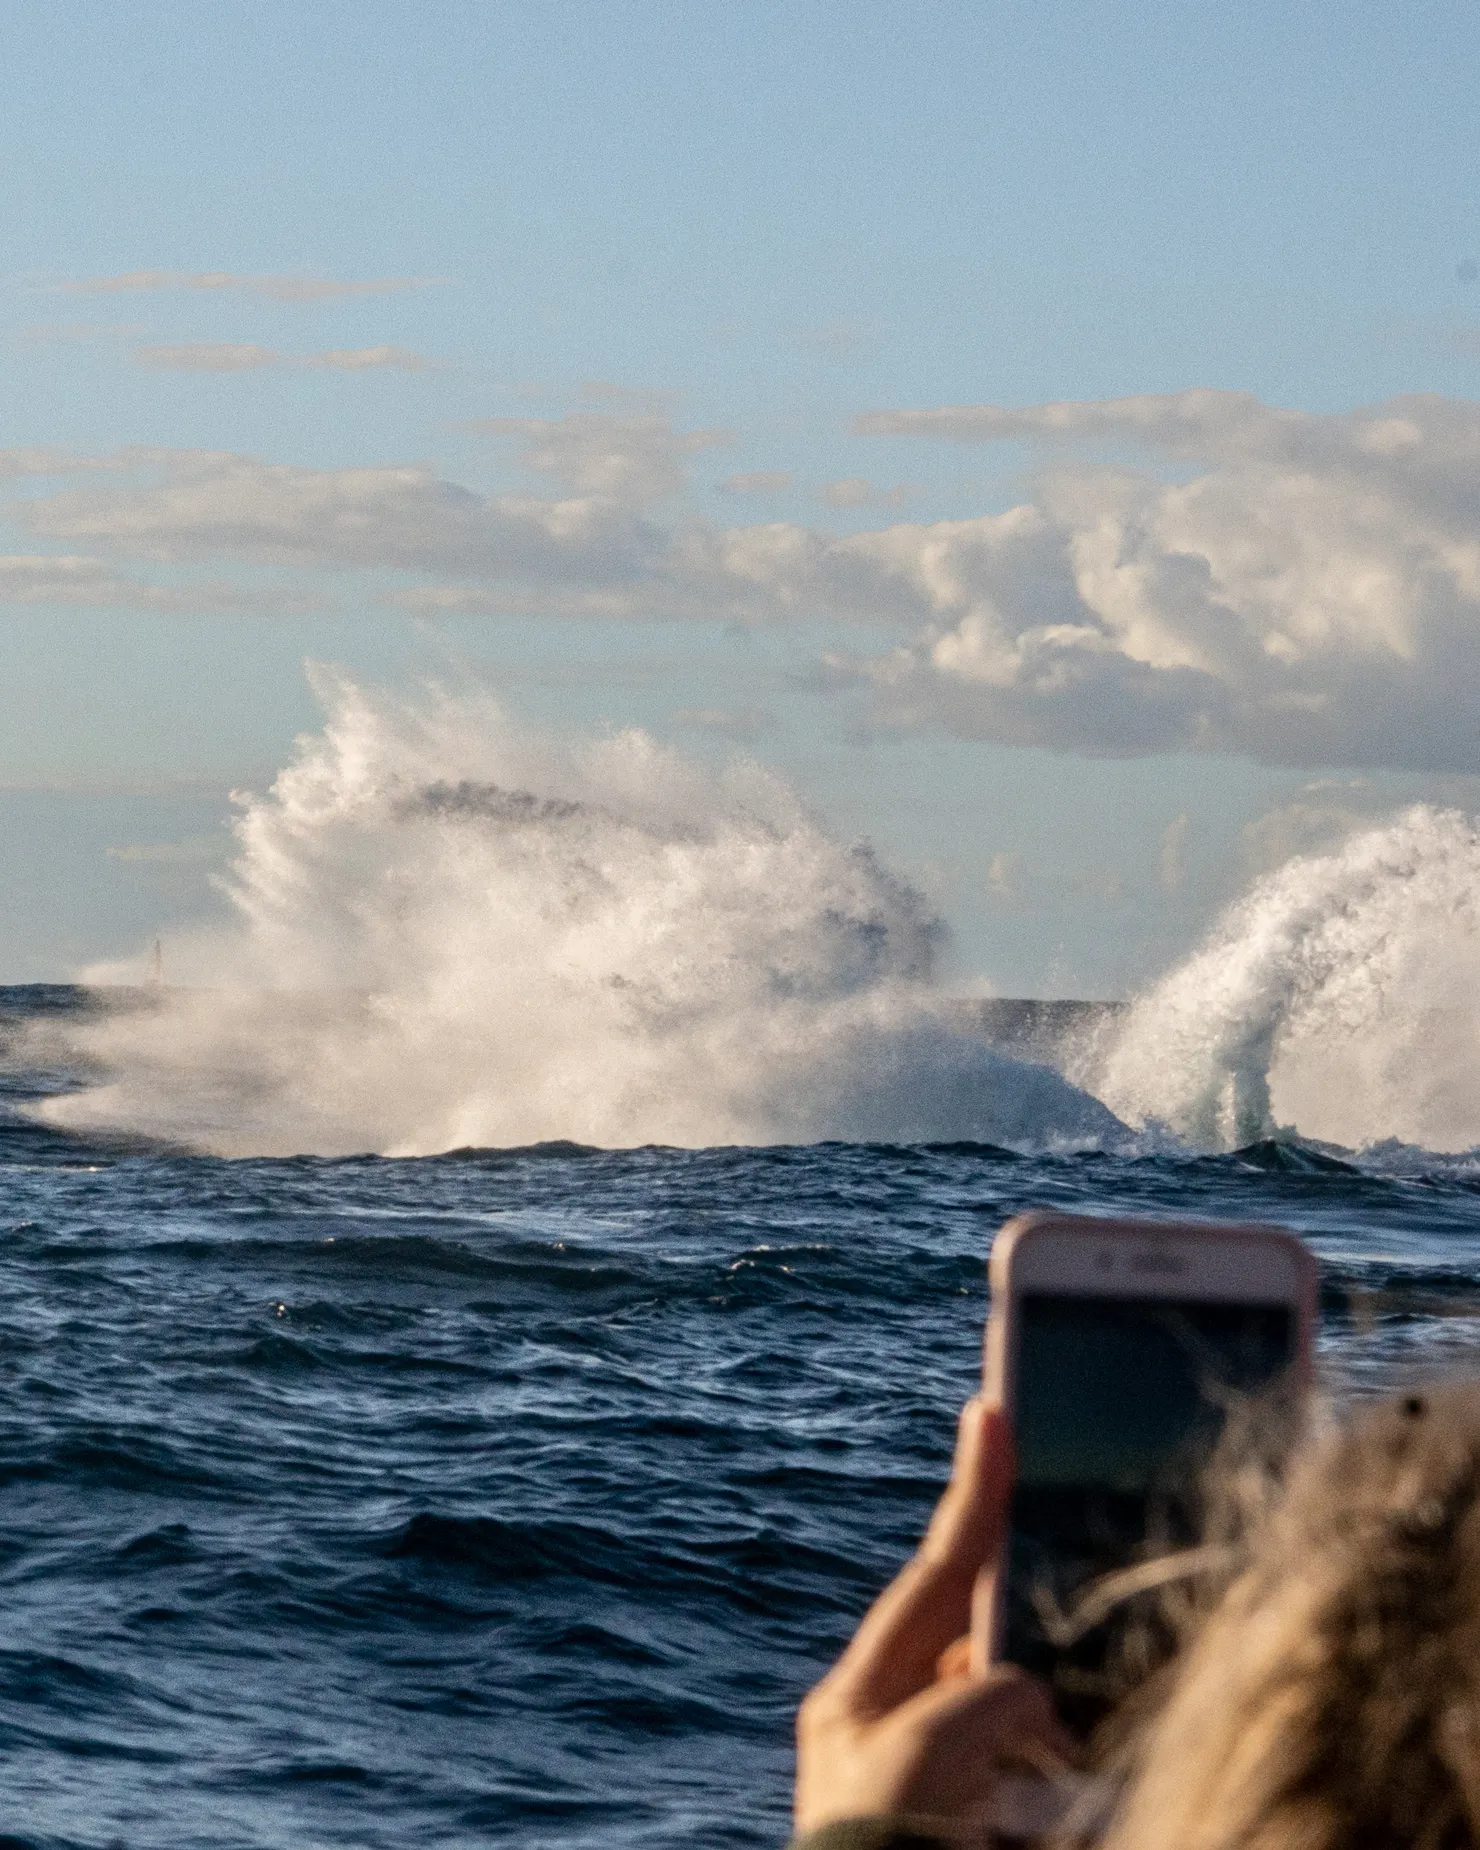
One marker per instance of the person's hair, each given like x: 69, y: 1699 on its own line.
x: 1330, y: 1699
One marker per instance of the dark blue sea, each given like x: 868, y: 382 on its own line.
x: 516, y: 1496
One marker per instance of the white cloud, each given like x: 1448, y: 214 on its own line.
x: 1298, y: 588
x: 858, y: 491
x: 48, y: 459
x: 1318, y: 820
x: 201, y: 356
x: 575, y: 602
x: 1309, y: 592
x: 361, y: 359
x: 51, y: 578
x: 1186, y: 423
x: 634, y: 459
x: 201, y: 504
x: 741, y: 724
x: 219, y: 356
x: 274, y: 288
x: 591, y: 555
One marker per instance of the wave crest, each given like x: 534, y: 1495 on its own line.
x: 1340, y: 996
x: 452, y: 932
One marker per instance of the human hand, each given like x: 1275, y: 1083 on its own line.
x: 905, y: 1722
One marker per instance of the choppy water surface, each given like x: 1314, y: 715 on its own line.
x: 516, y: 1496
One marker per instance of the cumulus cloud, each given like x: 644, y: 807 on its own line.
x: 1229, y: 577
x: 220, y: 356
x: 274, y: 288
x: 1307, y: 591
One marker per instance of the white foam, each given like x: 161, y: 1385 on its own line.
x: 451, y: 931
x: 1340, y: 997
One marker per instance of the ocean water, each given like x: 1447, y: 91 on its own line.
x: 517, y: 1495
x: 474, y: 1340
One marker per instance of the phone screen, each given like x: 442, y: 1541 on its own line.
x: 1117, y: 1406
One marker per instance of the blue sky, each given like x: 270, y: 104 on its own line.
x: 268, y: 269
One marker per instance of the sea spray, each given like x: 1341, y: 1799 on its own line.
x: 451, y: 931
x: 1340, y: 997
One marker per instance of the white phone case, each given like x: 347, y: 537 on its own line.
x: 1083, y: 1255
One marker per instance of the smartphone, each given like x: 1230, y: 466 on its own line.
x: 1120, y: 1348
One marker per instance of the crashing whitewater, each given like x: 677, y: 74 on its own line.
x: 450, y: 931
x: 1339, y: 1000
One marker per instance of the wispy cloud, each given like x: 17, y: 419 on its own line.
x: 524, y: 597
x: 219, y: 356
x: 273, y: 288
x: 204, y: 504
x: 741, y: 724
x: 632, y: 460
x: 757, y: 482
x: 369, y: 359
x: 49, y: 459
x: 52, y: 578
x: 858, y: 491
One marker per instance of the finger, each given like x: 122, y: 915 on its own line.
x: 954, y: 1661
x: 1007, y: 1716
x: 984, y: 1640
x: 894, y: 1651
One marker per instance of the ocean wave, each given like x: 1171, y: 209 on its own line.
x: 1339, y: 997
x: 451, y: 934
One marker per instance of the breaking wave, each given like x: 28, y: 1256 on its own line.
x: 1340, y: 998
x: 450, y: 931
